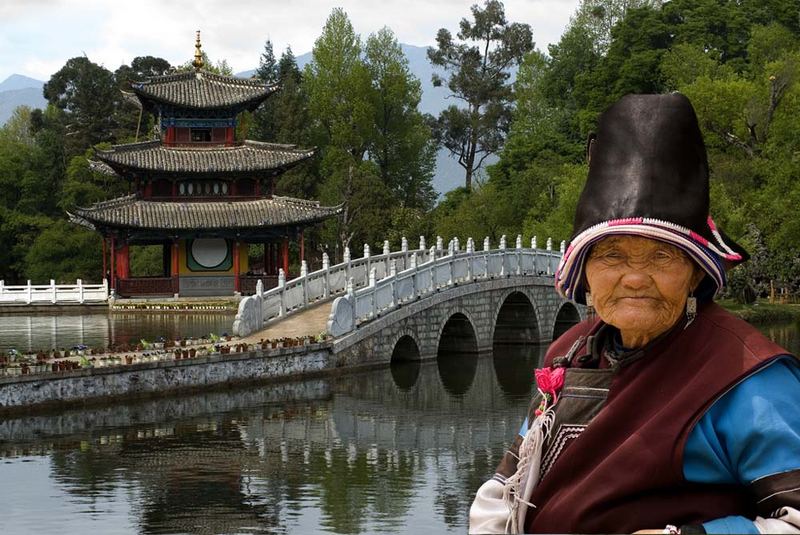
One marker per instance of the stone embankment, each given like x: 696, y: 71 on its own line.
x: 140, y: 379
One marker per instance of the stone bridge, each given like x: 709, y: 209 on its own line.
x: 421, y: 304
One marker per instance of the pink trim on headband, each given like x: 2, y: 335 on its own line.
x: 711, y: 224
x: 698, y: 238
x: 626, y: 221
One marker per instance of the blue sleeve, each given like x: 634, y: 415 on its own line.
x: 523, y: 430
x: 750, y: 432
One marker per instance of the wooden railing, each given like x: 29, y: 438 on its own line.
x: 53, y: 294
x: 147, y: 286
x: 249, y: 283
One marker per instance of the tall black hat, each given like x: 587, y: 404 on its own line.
x: 648, y: 176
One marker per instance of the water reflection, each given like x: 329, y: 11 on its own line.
x: 101, y: 329
x: 346, y: 455
x: 396, y: 450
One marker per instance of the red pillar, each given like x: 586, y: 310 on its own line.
x: 113, y: 263
x: 123, y: 263
x: 302, y: 247
x: 236, y: 282
x: 285, y: 256
x: 175, y: 265
x: 105, y: 251
x: 266, y: 258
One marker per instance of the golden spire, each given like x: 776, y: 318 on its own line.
x: 198, y: 56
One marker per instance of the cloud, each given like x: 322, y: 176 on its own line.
x: 45, y: 33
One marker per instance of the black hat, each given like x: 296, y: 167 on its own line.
x: 648, y: 176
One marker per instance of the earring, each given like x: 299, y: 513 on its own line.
x: 589, y: 306
x: 691, y: 309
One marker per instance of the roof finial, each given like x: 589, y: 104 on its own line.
x: 198, y: 56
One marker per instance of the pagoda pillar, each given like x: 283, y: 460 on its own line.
x: 266, y: 259
x: 174, y: 271
x: 285, y: 256
x: 236, y: 282
x: 105, y: 260
x: 123, y: 260
x: 113, y: 273
x: 302, y: 247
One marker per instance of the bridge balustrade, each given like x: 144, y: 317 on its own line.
x: 372, y: 285
x: 53, y: 294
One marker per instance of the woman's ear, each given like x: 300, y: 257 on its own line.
x: 697, y: 277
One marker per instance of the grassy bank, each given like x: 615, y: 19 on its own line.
x: 763, y: 311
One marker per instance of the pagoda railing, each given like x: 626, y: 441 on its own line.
x: 351, y: 276
x: 248, y: 284
x: 147, y: 286
x: 53, y: 294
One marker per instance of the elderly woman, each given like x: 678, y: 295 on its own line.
x: 666, y: 414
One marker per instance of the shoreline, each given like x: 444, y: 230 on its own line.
x: 762, y: 312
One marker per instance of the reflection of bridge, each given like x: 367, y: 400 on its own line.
x: 230, y: 460
x: 417, y: 304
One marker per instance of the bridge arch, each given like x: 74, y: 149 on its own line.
x: 516, y: 320
x: 457, y: 353
x: 566, y: 317
x: 405, y: 363
x: 457, y: 333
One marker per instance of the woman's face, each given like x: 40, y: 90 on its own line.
x: 640, y: 285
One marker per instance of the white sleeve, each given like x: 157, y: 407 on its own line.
x: 489, y: 512
x: 785, y: 520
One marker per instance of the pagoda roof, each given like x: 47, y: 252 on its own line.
x: 203, y: 90
x: 132, y: 211
x: 249, y: 156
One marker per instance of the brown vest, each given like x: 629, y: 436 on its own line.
x: 624, y: 471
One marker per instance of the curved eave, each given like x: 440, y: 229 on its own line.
x: 126, y: 169
x: 150, y: 101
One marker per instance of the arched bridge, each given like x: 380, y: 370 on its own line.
x: 424, y: 303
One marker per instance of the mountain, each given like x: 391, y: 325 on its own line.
x: 449, y: 174
x: 18, y: 90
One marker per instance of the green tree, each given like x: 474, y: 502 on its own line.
x: 477, y: 69
x: 89, y: 96
x: 401, y: 145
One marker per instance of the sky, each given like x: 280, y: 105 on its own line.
x: 38, y: 36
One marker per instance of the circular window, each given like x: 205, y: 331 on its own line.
x: 209, y: 252
x: 207, y: 188
x: 216, y: 188
x: 182, y: 188
x: 190, y: 188
x: 224, y: 188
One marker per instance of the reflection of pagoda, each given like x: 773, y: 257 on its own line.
x: 200, y: 195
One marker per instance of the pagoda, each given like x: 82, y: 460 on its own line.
x: 199, y: 194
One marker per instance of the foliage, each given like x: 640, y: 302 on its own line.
x: 477, y: 69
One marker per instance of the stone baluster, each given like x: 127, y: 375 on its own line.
x: 404, y: 244
x: 386, y: 249
x: 518, y: 245
x: 469, y: 259
x: 533, y: 242
x: 393, y: 281
x: 519, y: 242
x: 80, y: 291
x: 503, y: 241
x: 260, y: 288
x: 486, y: 244
x: 304, y: 281
x: 326, y: 281
x: 393, y: 268
x: 413, y: 260
x: 347, y: 268
x: 456, y: 244
x: 281, y: 286
x: 562, y: 247
x: 549, y: 247
x: 433, y: 269
x: 367, y: 264
x: 439, y: 243
x: 450, y: 248
x: 373, y: 277
x: 53, y: 291
x: 422, y: 243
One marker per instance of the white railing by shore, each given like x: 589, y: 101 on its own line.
x: 383, y: 280
x: 54, y: 294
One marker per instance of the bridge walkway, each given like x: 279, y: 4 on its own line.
x: 308, y: 322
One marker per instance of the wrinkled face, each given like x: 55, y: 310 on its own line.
x: 640, y: 285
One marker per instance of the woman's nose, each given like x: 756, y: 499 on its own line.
x: 636, y: 279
